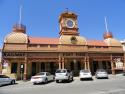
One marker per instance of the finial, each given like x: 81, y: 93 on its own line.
x: 20, y: 16
x: 20, y: 12
x: 107, y: 34
x: 106, y: 25
x: 19, y: 27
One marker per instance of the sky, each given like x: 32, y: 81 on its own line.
x: 41, y: 17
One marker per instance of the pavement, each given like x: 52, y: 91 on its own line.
x: 111, y: 77
x: 113, y: 85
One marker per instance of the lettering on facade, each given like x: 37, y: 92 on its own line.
x: 14, y: 54
x: 73, y: 54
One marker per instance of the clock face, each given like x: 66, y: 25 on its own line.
x: 70, y: 23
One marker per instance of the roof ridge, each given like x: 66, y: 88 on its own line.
x: 42, y: 37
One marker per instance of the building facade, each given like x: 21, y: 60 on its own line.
x: 0, y: 66
x: 23, y: 54
x: 123, y: 44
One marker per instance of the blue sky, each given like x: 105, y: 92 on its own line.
x: 41, y: 17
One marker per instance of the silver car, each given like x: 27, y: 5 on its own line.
x: 101, y: 73
x: 85, y: 74
x: 42, y: 77
x: 63, y: 74
x: 4, y: 80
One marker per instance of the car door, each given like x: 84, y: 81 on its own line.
x: 51, y: 77
x: 7, y: 79
x: 1, y: 80
x: 69, y: 73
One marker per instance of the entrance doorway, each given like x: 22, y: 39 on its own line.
x: 74, y: 66
x: 49, y: 67
x: 33, y: 68
x: 101, y: 65
x: 95, y: 66
x: 52, y: 68
x: 42, y: 67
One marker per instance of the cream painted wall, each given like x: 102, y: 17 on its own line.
x: 123, y: 44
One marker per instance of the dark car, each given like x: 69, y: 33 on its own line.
x: 123, y: 73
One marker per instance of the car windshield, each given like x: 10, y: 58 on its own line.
x: 41, y: 73
x: 101, y: 70
x: 1, y: 76
x: 85, y: 71
x: 61, y: 71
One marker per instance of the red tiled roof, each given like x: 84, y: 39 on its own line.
x: 36, y: 40
x: 96, y: 43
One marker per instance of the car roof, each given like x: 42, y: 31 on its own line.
x: 84, y: 70
x: 101, y: 70
x: 43, y: 72
x: 62, y: 69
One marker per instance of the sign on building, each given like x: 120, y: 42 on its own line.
x: 119, y: 63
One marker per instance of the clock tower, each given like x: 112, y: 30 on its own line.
x: 68, y: 24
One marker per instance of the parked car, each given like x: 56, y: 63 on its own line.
x: 63, y: 74
x: 101, y: 73
x: 123, y: 73
x: 42, y: 77
x: 4, y: 80
x: 85, y: 74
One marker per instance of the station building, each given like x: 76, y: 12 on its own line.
x: 29, y: 55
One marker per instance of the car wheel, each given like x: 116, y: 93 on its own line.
x: 72, y: 79
x: 68, y: 80
x: 34, y: 83
x: 57, y: 81
x: 53, y: 78
x: 81, y: 79
x: 12, y: 82
x: 107, y: 78
x: 46, y: 80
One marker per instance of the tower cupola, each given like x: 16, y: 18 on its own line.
x: 19, y: 28
x: 68, y: 24
x: 107, y: 35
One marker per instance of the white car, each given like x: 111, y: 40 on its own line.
x: 85, y: 74
x: 42, y: 77
x: 101, y: 73
x: 63, y: 74
x: 4, y: 80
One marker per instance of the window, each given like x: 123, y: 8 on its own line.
x: 105, y: 46
x: 43, y: 45
x: 32, y: 45
x: 42, y: 67
x: 79, y: 66
x: 14, y: 68
x: 90, y: 46
x: 53, y: 46
x: 98, y: 46
x: 72, y: 65
x: 80, y: 54
x: 67, y: 54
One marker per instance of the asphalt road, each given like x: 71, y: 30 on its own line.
x: 113, y: 85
